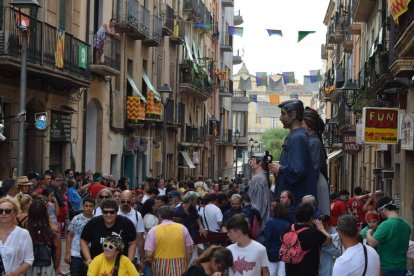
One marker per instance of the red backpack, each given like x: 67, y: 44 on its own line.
x: 291, y: 251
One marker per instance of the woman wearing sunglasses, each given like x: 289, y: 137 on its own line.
x: 111, y: 261
x: 16, y: 250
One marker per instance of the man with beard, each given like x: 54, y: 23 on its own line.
x: 235, y: 208
x: 294, y: 171
x: 135, y: 217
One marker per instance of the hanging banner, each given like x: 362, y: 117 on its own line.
x: 83, y: 56
x: 60, y: 48
x: 380, y: 125
x: 349, y: 144
x: 397, y: 8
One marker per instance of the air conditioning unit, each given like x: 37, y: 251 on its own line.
x: 387, y: 174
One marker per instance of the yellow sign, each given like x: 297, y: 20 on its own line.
x: 380, y: 125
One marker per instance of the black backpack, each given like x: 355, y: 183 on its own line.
x: 42, y: 254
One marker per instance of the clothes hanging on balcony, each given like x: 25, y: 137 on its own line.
x: 99, y: 38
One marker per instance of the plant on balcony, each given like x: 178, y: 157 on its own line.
x: 366, y: 97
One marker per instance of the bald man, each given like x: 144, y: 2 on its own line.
x: 126, y: 210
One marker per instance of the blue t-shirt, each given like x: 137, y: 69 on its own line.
x: 189, y: 221
x: 74, y: 197
x: 273, y: 231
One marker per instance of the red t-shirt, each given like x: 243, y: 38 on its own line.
x: 94, y: 189
x: 355, y: 209
x: 337, y: 208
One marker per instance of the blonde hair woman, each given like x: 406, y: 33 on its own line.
x: 24, y: 202
x: 16, y: 250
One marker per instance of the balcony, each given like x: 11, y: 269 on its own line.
x: 168, y: 21
x: 194, y: 135
x: 133, y: 19
x: 41, y: 52
x: 354, y: 29
x: 227, y: 3
x: 238, y: 19
x: 226, y: 43
x: 324, y: 52
x: 155, y: 36
x: 237, y: 59
x: 179, y: 32
x: 169, y: 114
x: 110, y: 61
x: 362, y: 9
x: 191, y: 7
x: 347, y: 43
x: 194, y: 83
x: 404, y: 31
x: 240, y: 97
x: 226, y: 137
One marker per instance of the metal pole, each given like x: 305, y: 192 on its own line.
x: 213, y: 138
x: 164, y: 141
x: 251, y: 156
x: 22, y: 105
x: 237, y: 150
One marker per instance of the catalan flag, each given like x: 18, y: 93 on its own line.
x: 60, y: 48
x: 288, y: 77
x: 274, y: 99
x: 261, y: 79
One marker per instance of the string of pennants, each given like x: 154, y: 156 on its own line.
x: 239, y: 32
x: 310, y: 84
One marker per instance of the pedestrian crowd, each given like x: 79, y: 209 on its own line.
x: 293, y: 226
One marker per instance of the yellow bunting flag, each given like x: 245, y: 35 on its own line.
x: 274, y: 99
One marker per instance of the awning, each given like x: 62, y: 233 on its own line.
x: 188, y: 159
x: 150, y: 86
x: 332, y: 155
x: 190, y: 53
x: 135, y: 88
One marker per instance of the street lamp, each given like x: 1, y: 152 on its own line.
x: 350, y: 89
x: 236, y: 137
x: 165, y: 92
x: 24, y: 28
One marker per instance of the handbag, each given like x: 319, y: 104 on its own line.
x: 255, y: 228
x: 42, y: 254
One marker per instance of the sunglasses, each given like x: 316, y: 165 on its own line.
x: 125, y: 202
x: 102, y: 197
x: 107, y: 212
x: 110, y: 246
x: 7, y: 211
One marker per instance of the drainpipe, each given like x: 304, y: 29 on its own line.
x: 85, y: 93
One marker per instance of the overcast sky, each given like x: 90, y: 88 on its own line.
x: 276, y: 54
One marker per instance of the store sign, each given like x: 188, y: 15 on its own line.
x: 407, y: 132
x: 380, y: 125
x: 60, y: 127
x: 349, y: 144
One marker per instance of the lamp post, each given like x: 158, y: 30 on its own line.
x: 350, y: 89
x: 165, y: 92
x: 213, y: 121
x: 24, y: 28
x: 236, y: 137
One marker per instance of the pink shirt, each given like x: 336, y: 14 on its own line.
x: 150, y: 242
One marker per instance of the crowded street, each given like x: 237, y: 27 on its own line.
x: 206, y: 137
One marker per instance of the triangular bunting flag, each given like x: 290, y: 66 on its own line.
x: 203, y: 26
x: 288, y: 77
x: 235, y: 30
x: 315, y: 75
x: 276, y: 85
x: 245, y: 84
x: 261, y: 79
x: 303, y: 34
x: 274, y: 32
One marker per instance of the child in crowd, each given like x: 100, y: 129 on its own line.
x: 372, y: 220
x: 330, y: 251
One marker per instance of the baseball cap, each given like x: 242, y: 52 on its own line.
x: 174, y: 193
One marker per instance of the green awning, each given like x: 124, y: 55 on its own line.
x: 150, y: 86
x: 135, y: 88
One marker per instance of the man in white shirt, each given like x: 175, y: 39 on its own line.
x: 211, y: 215
x: 249, y: 256
x: 354, y: 261
x: 135, y: 217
